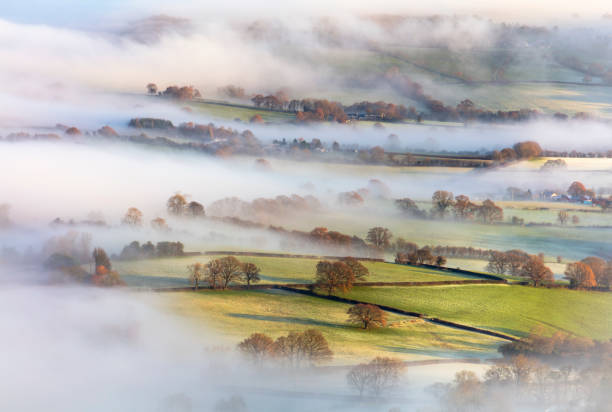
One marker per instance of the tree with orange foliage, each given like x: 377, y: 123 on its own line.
x: 331, y: 277
x: 370, y: 316
x: 580, y: 275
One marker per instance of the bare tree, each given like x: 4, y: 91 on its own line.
x: 359, y: 378
x: 379, y: 237
x: 230, y: 269
x: 369, y: 316
x: 196, y: 274
x: 441, y: 202
x: 563, y: 216
x: 251, y: 273
x: 176, y: 204
x: 377, y: 376
x: 308, y: 347
x: 133, y: 217
x: 258, y: 347
x: 212, y: 271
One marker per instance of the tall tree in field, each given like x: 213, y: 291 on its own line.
x: 332, y: 277
x: 360, y: 272
x: 212, y: 273
x: 250, y: 272
x: 176, y: 204
x: 463, y: 208
x: 369, y: 316
x: 308, y: 347
x: 379, y: 237
x: 230, y: 269
x: 258, y: 347
x: 377, y: 376
x: 489, y: 212
x: 576, y: 190
x: 196, y: 274
x: 441, y: 202
x: 133, y: 217
x: 580, y: 275
x: 563, y: 216
x: 195, y: 209
x: 536, y: 271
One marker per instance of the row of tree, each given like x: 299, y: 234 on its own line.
x: 444, y: 202
x: 149, y: 250
x: 297, y: 349
x: 518, y: 263
x: 220, y: 273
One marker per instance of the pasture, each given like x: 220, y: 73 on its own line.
x: 514, y: 310
x: 172, y: 272
x: 236, y: 314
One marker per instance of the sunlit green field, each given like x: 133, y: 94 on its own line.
x: 515, y: 310
x: 172, y: 272
x: 236, y: 314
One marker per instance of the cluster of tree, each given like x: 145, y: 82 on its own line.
x: 175, y: 92
x: 264, y: 208
x: 232, y: 91
x: 26, y: 137
x: 552, y: 165
x: 519, y: 263
x: 563, y: 217
x: 590, y: 272
x: 380, y: 111
x: 461, y: 206
x: 521, y: 150
x: 524, y: 383
x: 297, y: 349
x: 221, y: 273
x: 177, y: 205
x: 339, y: 276
x: 420, y: 257
x: 219, y: 141
x: 148, y: 250
x: 558, y: 346
x: 375, y: 377
x: 76, y: 245
x: 133, y: 218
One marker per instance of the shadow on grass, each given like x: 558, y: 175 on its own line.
x: 278, y: 279
x: 154, y: 281
x: 287, y: 319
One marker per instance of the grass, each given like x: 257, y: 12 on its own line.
x: 515, y: 310
x: 171, y: 272
x: 237, y: 314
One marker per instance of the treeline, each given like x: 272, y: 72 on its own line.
x: 559, y: 346
x: 521, y: 150
x: 461, y: 207
x: 264, y: 207
x: 519, y: 263
x: 149, y: 250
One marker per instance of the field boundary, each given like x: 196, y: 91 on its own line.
x: 265, y: 286
x: 391, y: 309
x: 286, y: 255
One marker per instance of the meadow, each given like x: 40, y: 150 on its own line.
x: 511, y: 309
x: 234, y: 315
x: 172, y: 272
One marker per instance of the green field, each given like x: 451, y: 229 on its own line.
x: 236, y: 314
x: 171, y: 272
x: 515, y: 310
